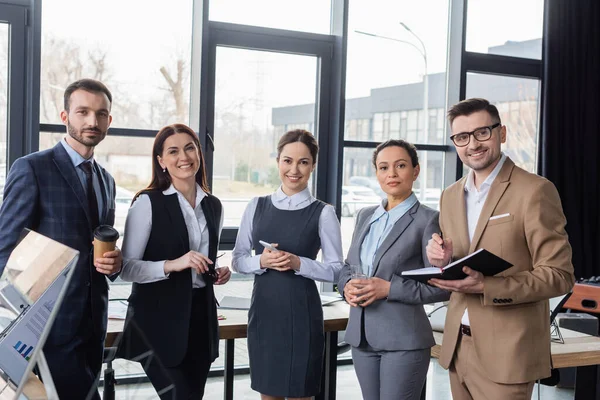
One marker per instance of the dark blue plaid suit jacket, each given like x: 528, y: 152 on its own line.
x: 44, y: 194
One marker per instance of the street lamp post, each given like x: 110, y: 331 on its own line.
x: 424, y: 161
x: 425, y: 83
x: 423, y: 52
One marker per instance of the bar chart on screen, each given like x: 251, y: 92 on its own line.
x: 23, y: 349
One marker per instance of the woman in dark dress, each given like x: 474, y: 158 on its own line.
x: 285, y: 321
x: 170, y: 253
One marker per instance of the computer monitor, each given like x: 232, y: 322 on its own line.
x: 39, y: 296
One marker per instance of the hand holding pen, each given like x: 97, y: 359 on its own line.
x: 439, y: 250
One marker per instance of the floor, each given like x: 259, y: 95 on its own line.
x: 438, y: 387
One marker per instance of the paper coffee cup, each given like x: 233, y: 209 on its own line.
x: 105, y: 239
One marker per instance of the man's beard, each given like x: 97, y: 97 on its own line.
x: 78, y: 136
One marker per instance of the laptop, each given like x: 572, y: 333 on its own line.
x: 37, y: 298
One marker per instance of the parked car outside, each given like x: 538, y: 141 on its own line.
x: 356, y: 197
x: 368, y: 181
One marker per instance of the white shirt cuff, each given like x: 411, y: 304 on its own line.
x: 156, y: 269
x: 255, y: 265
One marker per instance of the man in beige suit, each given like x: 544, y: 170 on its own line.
x: 497, y: 334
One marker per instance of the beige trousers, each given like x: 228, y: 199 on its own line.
x: 469, y: 382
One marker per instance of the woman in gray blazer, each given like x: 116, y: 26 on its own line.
x: 388, y: 329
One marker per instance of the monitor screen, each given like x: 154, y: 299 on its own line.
x: 21, y: 341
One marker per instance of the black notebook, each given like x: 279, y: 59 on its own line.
x: 482, y: 260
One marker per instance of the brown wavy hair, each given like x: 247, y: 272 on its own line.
x: 162, y: 180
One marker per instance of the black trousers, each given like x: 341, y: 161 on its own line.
x: 76, y: 365
x: 188, y: 379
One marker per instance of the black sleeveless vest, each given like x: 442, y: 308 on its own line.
x: 159, y: 313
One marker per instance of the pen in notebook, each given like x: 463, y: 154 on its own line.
x: 441, y: 237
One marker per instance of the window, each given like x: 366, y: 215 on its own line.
x: 394, y: 125
x: 517, y: 102
x: 378, y: 128
x: 305, y: 16
x: 395, y: 67
x: 509, y: 28
x: 253, y: 90
x: 4, y: 48
x: 145, y: 62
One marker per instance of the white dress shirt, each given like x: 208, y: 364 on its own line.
x: 329, y: 233
x: 474, y: 201
x: 137, y: 232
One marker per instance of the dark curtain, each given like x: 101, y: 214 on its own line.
x: 569, y: 141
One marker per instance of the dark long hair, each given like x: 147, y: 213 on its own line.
x: 162, y: 180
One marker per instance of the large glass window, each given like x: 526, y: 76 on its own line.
x: 253, y: 92
x: 145, y: 62
x: 509, y: 27
x: 4, y: 46
x: 517, y: 102
x: 305, y: 16
x: 396, y: 64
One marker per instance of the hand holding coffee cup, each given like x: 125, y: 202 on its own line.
x: 105, y: 240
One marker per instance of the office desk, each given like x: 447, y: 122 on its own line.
x: 579, y: 350
x: 235, y: 327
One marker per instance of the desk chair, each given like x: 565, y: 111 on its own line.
x: 108, y: 393
x: 109, y: 355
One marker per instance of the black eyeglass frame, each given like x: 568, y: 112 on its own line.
x: 472, y: 133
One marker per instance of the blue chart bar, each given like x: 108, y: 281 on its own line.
x: 20, y: 347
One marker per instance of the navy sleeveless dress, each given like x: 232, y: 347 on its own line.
x: 285, y: 321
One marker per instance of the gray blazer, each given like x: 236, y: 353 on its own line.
x: 398, y: 322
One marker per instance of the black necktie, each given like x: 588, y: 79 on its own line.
x: 91, y: 193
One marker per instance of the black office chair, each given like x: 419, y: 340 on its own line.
x: 108, y: 392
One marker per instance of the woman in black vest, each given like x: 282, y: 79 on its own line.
x: 285, y: 321
x: 170, y: 251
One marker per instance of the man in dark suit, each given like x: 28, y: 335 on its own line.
x: 64, y: 194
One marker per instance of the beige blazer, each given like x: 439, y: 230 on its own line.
x: 510, y: 320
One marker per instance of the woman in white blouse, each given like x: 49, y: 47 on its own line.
x: 285, y: 321
x: 170, y: 253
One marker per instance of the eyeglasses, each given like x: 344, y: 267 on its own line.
x: 480, y: 134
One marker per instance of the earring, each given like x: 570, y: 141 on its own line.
x: 164, y: 170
